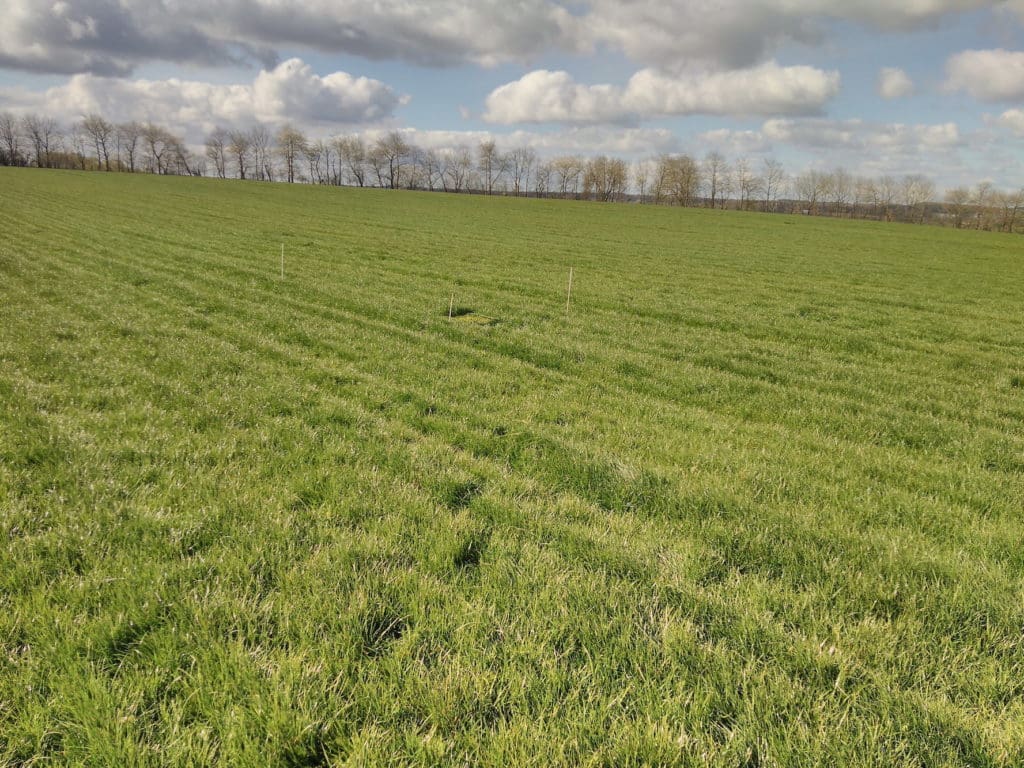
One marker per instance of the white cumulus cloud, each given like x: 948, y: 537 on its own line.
x: 1012, y: 119
x: 988, y: 75
x: 292, y: 91
x: 937, y: 150
x: 894, y: 83
x: 543, y: 96
x: 861, y: 135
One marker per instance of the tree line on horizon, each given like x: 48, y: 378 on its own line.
x: 393, y: 162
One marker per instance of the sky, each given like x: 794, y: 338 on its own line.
x: 878, y: 87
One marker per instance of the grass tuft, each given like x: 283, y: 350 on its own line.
x: 381, y: 627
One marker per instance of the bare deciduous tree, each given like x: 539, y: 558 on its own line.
x: 291, y: 144
x: 542, y: 179
x: 100, y: 131
x: 391, y: 152
x: 378, y: 163
x: 839, y: 187
x: 863, y: 195
x: 155, y: 144
x: 678, y: 179
x: 1011, y: 202
x: 887, y: 190
x: 415, y: 174
x: 915, y: 192
x: 217, y: 152
x: 128, y: 135
x: 981, y: 200
x: 262, y: 165
x: 240, y: 151
x: 520, y: 164
x: 641, y: 175
x: 352, y: 153
x: 431, y: 169
x: 491, y: 164
x: 774, y: 176
x: 714, y: 169
x: 10, y: 136
x: 605, y: 179
x: 810, y: 187
x: 748, y: 183
x: 77, y: 142
x: 178, y: 159
x: 317, y: 154
x: 43, y: 134
x: 458, y: 168
x: 958, y: 202
x: 567, y: 173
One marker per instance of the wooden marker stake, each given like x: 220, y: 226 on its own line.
x: 568, y: 296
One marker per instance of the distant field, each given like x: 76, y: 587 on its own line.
x: 756, y: 500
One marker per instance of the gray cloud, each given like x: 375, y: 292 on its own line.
x: 432, y: 32
x: 110, y: 37
x: 107, y: 37
x: 740, y: 33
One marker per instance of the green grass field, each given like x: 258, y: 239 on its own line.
x: 756, y: 500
